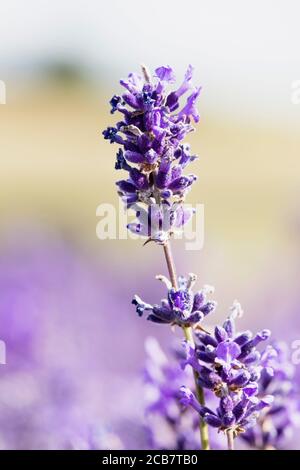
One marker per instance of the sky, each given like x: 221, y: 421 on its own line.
x: 244, y: 50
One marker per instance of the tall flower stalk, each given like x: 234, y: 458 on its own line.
x: 230, y: 365
x: 151, y: 150
x: 150, y: 135
x: 188, y: 333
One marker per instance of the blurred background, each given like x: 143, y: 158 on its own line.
x: 73, y: 342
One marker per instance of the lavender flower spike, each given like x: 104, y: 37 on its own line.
x: 181, y: 307
x: 150, y: 135
x: 230, y: 365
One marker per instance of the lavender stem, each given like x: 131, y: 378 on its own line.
x: 230, y: 439
x: 170, y: 264
x: 188, y: 333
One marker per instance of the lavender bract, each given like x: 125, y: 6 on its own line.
x: 150, y: 136
x: 181, y: 307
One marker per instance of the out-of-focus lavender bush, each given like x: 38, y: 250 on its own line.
x: 63, y: 373
x: 57, y: 387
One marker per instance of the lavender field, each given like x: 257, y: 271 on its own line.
x: 95, y: 352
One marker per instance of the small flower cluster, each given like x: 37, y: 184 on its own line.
x: 230, y: 365
x: 276, y: 424
x: 150, y: 136
x: 182, y: 307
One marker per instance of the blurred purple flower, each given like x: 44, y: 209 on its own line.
x: 51, y: 320
x: 277, y: 424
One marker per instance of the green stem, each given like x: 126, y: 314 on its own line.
x: 188, y: 333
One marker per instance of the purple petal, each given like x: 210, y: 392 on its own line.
x: 176, y: 172
x: 179, y: 184
x: 190, y: 107
x: 229, y: 327
x: 252, y: 358
x: 139, y: 179
x: 164, y: 313
x: 133, y: 84
x: 250, y: 390
x: 207, y: 339
x: 163, y: 176
x: 195, y: 317
x: 243, y: 338
x: 126, y: 186
x: 199, y: 299
x: 241, y: 379
x: 190, y: 357
x: 206, y: 356
x: 131, y: 100
x: 181, y: 299
x: 134, y: 157
x: 226, y: 404
x: 183, y: 216
x: 208, y: 307
x: 156, y: 319
x: 228, y: 350
x: 165, y: 73
x: 228, y: 419
x: 212, y: 420
x: 220, y: 334
x: 151, y: 156
x: 172, y: 100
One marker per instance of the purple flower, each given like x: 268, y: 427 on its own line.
x: 235, y: 411
x: 169, y: 423
x: 181, y: 307
x: 165, y: 73
x: 276, y: 424
x: 129, y: 189
x: 173, y: 98
x: 229, y: 364
x: 150, y: 134
x: 190, y: 109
